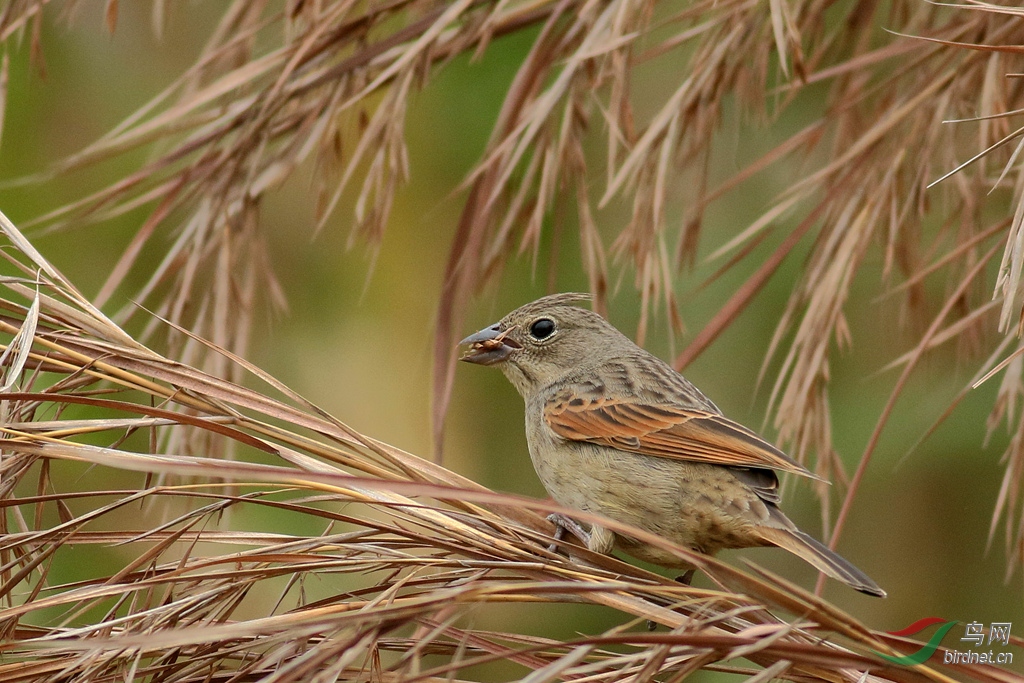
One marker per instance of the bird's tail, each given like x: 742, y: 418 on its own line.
x: 823, y: 559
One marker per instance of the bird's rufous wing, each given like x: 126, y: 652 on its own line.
x: 663, y: 430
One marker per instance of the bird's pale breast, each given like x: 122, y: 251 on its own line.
x: 698, y: 506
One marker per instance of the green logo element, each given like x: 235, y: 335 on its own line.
x: 922, y: 655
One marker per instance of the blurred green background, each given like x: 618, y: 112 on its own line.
x: 357, y: 337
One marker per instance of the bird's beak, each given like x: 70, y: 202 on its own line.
x: 489, y: 346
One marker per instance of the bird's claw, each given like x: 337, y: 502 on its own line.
x: 564, y: 524
x: 686, y: 578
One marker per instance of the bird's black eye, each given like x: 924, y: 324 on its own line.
x: 542, y: 329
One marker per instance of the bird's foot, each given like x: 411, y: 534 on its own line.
x: 686, y: 578
x: 564, y: 524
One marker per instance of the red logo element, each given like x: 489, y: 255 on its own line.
x: 919, y: 625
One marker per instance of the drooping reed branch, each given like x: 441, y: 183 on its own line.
x: 328, y: 84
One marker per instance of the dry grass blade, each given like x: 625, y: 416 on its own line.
x: 398, y: 556
x: 15, y: 355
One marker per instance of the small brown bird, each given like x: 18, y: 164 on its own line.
x: 614, y: 430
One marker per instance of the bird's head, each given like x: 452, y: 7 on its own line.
x: 543, y: 341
